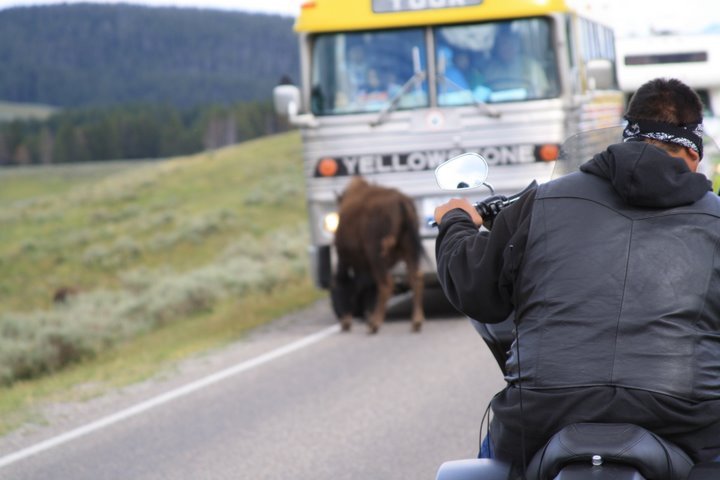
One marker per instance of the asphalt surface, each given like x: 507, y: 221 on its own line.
x: 339, y: 406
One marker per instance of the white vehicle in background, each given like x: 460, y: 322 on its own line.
x: 392, y: 88
x: 692, y: 58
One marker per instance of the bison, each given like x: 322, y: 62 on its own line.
x: 378, y: 227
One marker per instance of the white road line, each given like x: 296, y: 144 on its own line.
x: 168, y: 396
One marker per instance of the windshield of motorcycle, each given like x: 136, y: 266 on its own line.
x: 581, y: 147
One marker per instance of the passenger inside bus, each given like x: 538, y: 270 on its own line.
x: 376, y: 89
x: 370, y: 77
x: 451, y: 73
x: 355, y: 77
x: 453, y: 84
x: 512, y: 71
x: 467, y: 67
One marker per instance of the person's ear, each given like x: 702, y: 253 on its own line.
x: 692, y: 158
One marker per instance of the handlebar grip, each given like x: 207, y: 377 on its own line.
x: 489, y: 208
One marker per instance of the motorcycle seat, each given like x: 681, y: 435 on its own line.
x: 705, y: 471
x: 613, y: 443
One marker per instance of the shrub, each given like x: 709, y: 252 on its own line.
x: 32, y: 344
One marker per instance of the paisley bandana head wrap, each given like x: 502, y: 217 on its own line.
x: 689, y: 135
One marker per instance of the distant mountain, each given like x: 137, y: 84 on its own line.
x: 90, y: 55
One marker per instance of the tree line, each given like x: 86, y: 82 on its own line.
x: 138, y: 82
x: 74, y: 55
x: 138, y: 131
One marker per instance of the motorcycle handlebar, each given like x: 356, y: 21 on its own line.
x: 492, y: 206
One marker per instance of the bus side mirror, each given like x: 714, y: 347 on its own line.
x: 286, y: 99
x: 600, y: 74
x: 283, y: 95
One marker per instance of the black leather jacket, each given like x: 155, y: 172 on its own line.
x: 615, y: 272
x: 612, y: 294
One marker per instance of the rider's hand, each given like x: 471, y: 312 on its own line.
x: 462, y: 204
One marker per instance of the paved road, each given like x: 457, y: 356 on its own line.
x: 346, y: 406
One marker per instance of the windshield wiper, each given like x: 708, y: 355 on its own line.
x: 482, y: 106
x: 418, y: 77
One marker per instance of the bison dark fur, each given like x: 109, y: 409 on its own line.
x: 378, y: 227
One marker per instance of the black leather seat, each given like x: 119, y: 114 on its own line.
x: 614, y: 443
x: 705, y: 471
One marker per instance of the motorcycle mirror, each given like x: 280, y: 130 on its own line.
x: 468, y: 170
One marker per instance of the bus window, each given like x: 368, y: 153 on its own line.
x: 496, y: 62
x: 365, y: 71
x: 574, y: 75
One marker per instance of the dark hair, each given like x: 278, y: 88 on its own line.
x: 666, y: 100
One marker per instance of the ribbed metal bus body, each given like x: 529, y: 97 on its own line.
x: 404, y: 152
x: 401, y: 148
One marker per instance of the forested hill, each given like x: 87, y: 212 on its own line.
x: 92, y: 54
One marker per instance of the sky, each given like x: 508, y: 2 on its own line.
x: 627, y: 17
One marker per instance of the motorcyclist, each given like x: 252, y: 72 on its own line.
x: 613, y: 276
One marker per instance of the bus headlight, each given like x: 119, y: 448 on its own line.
x: 330, y: 222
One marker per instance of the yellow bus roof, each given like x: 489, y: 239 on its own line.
x: 344, y: 15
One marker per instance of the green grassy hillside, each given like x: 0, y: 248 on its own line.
x: 167, y: 259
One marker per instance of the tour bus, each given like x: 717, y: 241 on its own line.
x: 392, y: 88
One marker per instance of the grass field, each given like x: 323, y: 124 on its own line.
x: 168, y: 258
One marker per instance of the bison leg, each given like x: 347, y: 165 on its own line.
x: 416, y: 282
x: 346, y: 322
x: 384, y: 291
x: 342, y: 292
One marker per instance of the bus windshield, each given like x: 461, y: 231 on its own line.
x: 495, y: 62
x: 365, y: 71
x: 489, y: 62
